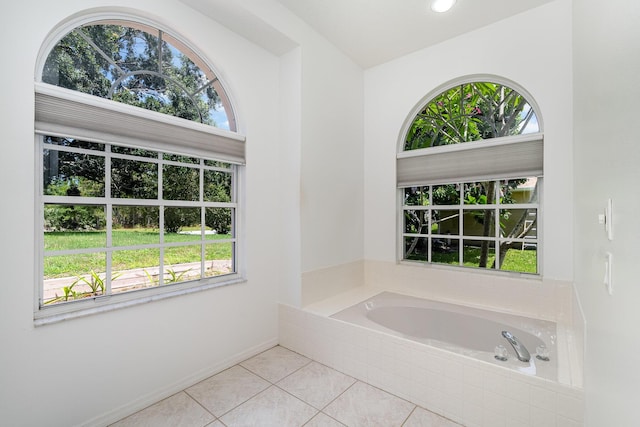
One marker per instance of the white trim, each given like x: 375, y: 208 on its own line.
x: 88, y: 306
x: 477, y: 207
x: 39, y: 226
x: 149, y: 399
x: 408, y: 164
x: 490, y: 271
x: 83, y: 307
x: 461, y: 209
x: 66, y: 200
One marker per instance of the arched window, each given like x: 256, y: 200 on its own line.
x: 140, y: 65
x: 140, y: 161
x: 470, y: 170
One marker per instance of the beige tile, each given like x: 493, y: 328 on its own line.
x: 543, y: 398
x: 275, y: 364
x: 472, y: 413
x: 364, y: 405
x: 215, y: 424
x: 316, y: 384
x: 177, y: 410
x: 566, y: 422
x: 494, y: 419
x: 322, y: 420
x: 541, y: 417
x: 272, y: 407
x: 570, y: 407
x: 228, y: 389
x: 423, y: 418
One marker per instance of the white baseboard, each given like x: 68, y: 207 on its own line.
x: 149, y: 399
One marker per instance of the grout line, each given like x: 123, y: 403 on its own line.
x: 409, y: 416
x: 338, y: 396
x: 293, y: 372
x: 275, y: 384
x: 271, y: 383
x: 268, y: 380
x: 326, y: 415
x: 241, y: 403
x: 201, y: 405
x: 288, y: 375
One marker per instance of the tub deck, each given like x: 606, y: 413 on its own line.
x: 463, y: 330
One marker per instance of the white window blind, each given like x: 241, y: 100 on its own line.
x: 499, y: 158
x: 69, y: 113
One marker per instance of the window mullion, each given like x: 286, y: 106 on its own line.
x: 498, y: 231
x: 460, y: 223
x: 109, y: 218
x: 429, y: 240
x: 161, y: 207
x: 87, y: 226
x: 203, y: 228
x: 40, y: 221
x: 467, y: 229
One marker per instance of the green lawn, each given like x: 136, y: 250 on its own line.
x: 516, y: 259
x: 75, y: 265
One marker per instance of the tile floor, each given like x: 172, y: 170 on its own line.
x: 281, y: 388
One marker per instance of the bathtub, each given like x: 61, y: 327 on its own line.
x: 441, y: 356
x: 467, y: 331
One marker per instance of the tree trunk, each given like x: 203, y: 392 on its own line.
x: 486, y: 224
x: 504, y: 247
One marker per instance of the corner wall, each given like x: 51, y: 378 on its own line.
x: 606, y: 93
x: 332, y: 171
x: 97, y: 369
x: 332, y: 158
x: 331, y: 167
x: 532, y: 49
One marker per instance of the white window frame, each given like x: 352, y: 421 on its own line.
x: 461, y: 208
x: 59, y: 112
x: 498, y: 152
x: 65, y: 310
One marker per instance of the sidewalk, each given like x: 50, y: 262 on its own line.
x: 138, y: 278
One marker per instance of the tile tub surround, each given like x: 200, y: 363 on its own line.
x: 529, y: 296
x: 464, y: 330
x: 470, y: 392
x: 282, y: 388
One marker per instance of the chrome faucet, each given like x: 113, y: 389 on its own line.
x: 521, y: 351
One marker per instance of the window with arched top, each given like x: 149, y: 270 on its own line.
x: 470, y: 170
x: 139, y: 160
x: 140, y: 65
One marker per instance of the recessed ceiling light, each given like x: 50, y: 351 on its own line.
x: 442, y: 5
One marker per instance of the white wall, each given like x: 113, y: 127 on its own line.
x: 332, y: 165
x: 101, y: 366
x: 332, y: 199
x: 331, y: 168
x: 289, y: 167
x: 532, y: 49
x: 607, y: 66
x: 344, y: 208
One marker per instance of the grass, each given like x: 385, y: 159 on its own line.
x: 516, y: 259
x: 75, y: 265
x: 64, y: 240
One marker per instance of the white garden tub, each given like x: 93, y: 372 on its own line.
x: 463, y: 330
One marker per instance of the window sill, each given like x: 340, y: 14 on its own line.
x: 77, y: 309
x: 463, y: 269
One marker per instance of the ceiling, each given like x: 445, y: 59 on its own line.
x: 370, y: 32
